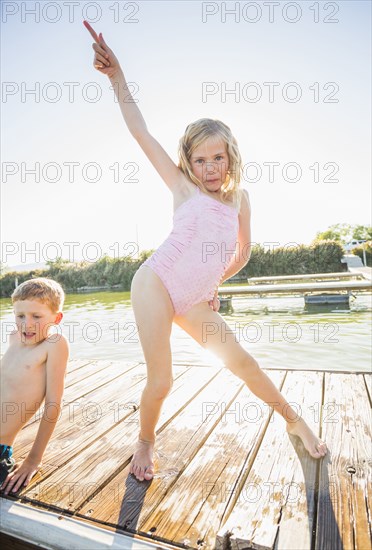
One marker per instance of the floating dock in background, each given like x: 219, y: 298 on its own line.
x: 296, y: 288
x: 319, y: 288
x: 326, y: 299
x: 311, y: 277
x: 228, y: 476
x: 365, y: 271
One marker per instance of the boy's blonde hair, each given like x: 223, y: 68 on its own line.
x: 195, y: 134
x: 42, y: 289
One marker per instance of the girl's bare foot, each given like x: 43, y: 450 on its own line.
x: 315, y: 446
x: 142, y: 465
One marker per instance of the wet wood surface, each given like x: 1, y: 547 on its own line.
x: 227, y: 475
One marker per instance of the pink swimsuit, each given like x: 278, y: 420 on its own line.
x: 195, y: 255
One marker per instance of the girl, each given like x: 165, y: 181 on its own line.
x: 179, y: 282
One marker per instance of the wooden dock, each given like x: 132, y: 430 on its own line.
x: 314, y: 283
x: 228, y: 476
x: 342, y: 275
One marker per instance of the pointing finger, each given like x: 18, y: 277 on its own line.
x: 92, y: 31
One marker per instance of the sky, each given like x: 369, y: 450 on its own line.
x: 183, y: 58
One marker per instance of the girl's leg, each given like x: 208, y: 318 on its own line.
x: 153, y: 312
x: 210, y: 330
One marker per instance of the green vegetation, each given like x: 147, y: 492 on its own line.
x: 320, y: 257
x: 344, y: 232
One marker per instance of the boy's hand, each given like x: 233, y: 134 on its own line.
x: 215, y: 302
x: 104, y: 60
x: 20, y: 476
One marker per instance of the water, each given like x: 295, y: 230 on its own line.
x: 278, y: 331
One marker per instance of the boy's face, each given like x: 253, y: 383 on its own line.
x: 210, y: 162
x: 34, y: 319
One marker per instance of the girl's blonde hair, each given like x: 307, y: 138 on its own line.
x: 195, y: 134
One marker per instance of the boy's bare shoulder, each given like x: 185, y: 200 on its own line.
x: 56, y: 343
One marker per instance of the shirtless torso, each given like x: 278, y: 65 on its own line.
x: 23, y: 384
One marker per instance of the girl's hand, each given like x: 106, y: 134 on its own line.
x: 215, y: 302
x: 104, y: 60
x: 20, y: 476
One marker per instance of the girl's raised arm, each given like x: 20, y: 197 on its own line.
x: 106, y: 62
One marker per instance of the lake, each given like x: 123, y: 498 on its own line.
x: 277, y: 331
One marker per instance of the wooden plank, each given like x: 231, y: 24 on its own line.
x: 72, y: 378
x: 309, y: 369
x: 78, y: 422
x: 94, y: 466
x: 137, y: 502
x: 297, y: 519
x: 106, y: 371
x: 97, y: 379
x: 85, y: 372
x: 192, y: 509
x: 278, y: 504
x: 345, y: 485
x: 72, y: 366
x: 82, y: 421
x: 75, y: 364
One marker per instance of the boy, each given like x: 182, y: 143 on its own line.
x: 32, y: 369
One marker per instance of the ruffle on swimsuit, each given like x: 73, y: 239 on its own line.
x: 193, y: 259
